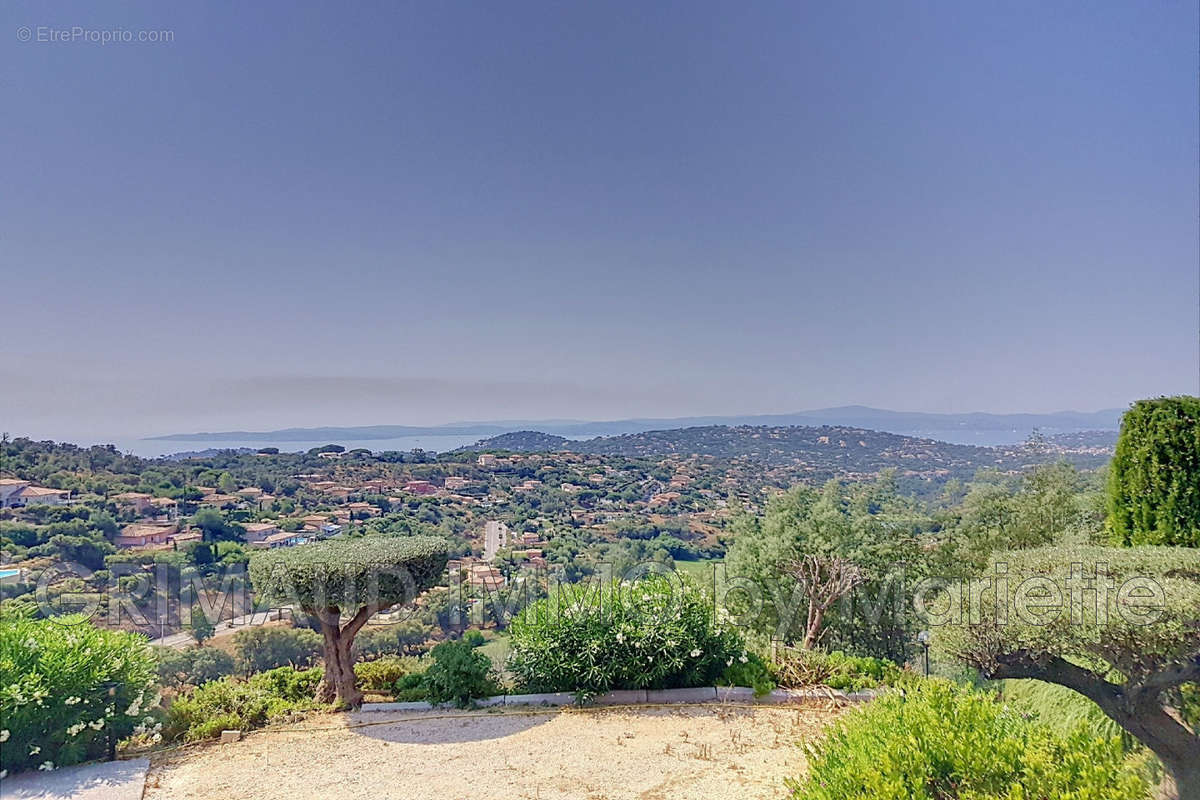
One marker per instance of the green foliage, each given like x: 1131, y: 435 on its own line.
x: 1111, y: 637
x: 1061, y: 708
x: 939, y: 741
x: 653, y: 634
x: 401, y: 638
x: 474, y: 638
x: 751, y: 670
x: 349, y: 573
x: 201, y: 626
x: 65, y: 686
x: 192, y: 667
x: 259, y: 648
x: 382, y: 674
x: 1154, y: 481
x: 869, y: 525
x: 797, y: 669
x: 228, y: 704
x: 459, y: 674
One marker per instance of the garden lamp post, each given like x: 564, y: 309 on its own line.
x: 923, y: 638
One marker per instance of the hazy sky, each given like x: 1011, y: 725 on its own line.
x: 295, y: 214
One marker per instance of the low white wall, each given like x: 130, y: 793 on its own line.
x: 630, y: 697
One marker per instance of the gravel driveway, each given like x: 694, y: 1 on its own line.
x: 700, y: 752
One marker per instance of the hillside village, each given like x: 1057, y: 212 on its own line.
x: 510, y: 513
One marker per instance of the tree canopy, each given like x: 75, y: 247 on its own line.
x: 349, y: 573
x: 1120, y: 626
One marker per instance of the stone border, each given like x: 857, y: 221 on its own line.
x: 632, y: 697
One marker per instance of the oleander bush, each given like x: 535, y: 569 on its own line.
x: 797, y: 669
x: 657, y: 633
x: 65, y: 687
x: 938, y: 741
x: 229, y: 703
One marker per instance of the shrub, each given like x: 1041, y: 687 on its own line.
x: 459, y: 674
x: 261, y: 649
x: 65, y: 686
x: 382, y: 674
x: 410, y: 688
x: 474, y: 638
x: 799, y: 668
x: 941, y: 741
x: 749, y: 670
x: 655, y: 634
x: 243, y: 705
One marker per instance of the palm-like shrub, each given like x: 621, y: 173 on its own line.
x: 941, y: 741
x: 653, y: 634
x: 65, y: 687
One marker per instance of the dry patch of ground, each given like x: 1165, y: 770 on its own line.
x: 701, y: 752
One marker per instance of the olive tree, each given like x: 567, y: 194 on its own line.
x: 341, y: 584
x: 1119, y: 626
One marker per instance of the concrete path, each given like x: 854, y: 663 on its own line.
x: 111, y: 780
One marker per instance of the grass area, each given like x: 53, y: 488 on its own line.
x: 497, y: 649
x: 701, y: 571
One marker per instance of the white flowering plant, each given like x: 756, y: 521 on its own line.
x: 659, y: 632
x: 65, y: 687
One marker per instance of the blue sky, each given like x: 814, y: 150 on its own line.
x: 299, y: 214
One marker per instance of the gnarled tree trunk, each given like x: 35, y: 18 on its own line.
x: 1137, y: 708
x: 339, y: 684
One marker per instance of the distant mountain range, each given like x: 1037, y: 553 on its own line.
x: 827, y: 450
x: 973, y: 428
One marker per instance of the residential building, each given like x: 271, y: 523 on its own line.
x: 259, y: 531
x: 16, y: 493
x: 138, y: 501
x: 141, y: 535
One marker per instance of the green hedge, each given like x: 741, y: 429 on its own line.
x: 65, y: 687
x: 939, y: 741
x: 1154, y: 480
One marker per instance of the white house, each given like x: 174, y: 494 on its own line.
x: 18, y: 494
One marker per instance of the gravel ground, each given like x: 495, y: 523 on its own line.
x: 701, y: 752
